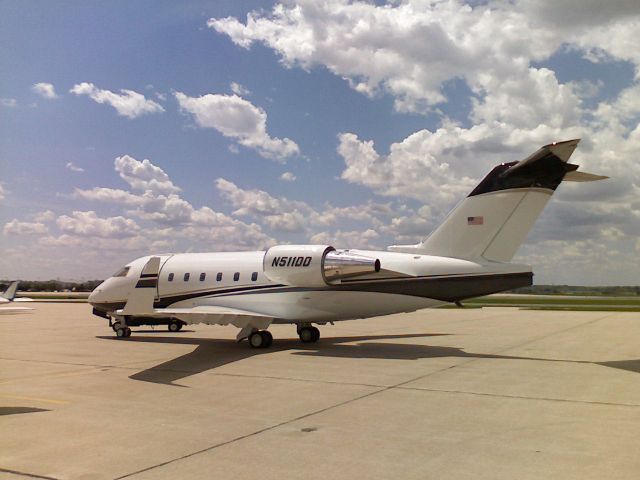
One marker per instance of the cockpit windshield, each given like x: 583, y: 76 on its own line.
x: 122, y: 272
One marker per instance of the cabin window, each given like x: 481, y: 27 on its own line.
x: 236, y: 276
x: 170, y: 277
x: 202, y: 276
x: 254, y: 276
x: 186, y: 277
x: 219, y: 277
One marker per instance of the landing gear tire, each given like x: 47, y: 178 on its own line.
x: 268, y: 338
x: 309, y: 334
x: 123, y: 332
x: 260, y: 339
x: 174, y: 326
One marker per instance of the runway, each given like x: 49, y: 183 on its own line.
x: 493, y: 393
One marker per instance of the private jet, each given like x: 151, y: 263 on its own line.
x: 468, y: 255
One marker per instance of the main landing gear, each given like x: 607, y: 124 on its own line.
x: 308, y: 334
x: 261, y: 339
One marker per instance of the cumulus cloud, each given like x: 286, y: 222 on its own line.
x: 239, y: 119
x: 162, y: 216
x: 127, y: 103
x: 286, y: 215
x: 73, y: 167
x: 239, y: 89
x: 88, y: 224
x: 288, y: 177
x: 45, y: 216
x: 45, y: 90
x: 144, y: 175
x: 349, y: 239
x: 410, y: 49
x: 16, y: 227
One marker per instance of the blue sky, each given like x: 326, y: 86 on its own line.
x: 349, y: 123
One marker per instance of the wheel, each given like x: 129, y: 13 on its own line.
x: 115, y: 326
x: 267, y: 338
x: 180, y: 325
x: 121, y: 332
x: 316, y: 334
x: 174, y: 326
x: 256, y: 340
x: 127, y: 332
x: 308, y: 335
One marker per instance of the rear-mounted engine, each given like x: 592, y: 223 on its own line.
x: 315, y: 265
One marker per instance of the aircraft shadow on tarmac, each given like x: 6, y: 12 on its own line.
x: 17, y: 410
x: 212, y: 353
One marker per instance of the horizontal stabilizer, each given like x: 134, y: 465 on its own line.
x: 577, y: 176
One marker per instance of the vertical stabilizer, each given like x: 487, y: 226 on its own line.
x: 496, y: 217
x: 10, y: 292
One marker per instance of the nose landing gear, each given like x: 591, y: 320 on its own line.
x: 121, y: 331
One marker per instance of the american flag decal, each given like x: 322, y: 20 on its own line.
x: 475, y: 220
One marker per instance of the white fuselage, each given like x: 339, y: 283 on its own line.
x: 238, y: 280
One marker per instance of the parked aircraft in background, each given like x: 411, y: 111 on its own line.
x: 9, y: 297
x: 467, y: 256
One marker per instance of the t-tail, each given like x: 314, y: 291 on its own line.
x: 10, y: 292
x: 496, y: 217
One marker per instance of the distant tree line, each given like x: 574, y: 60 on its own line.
x: 53, y: 285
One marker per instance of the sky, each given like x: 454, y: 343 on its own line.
x: 132, y: 128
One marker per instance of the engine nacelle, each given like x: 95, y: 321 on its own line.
x: 314, y: 265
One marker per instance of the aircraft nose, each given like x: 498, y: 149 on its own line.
x: 94, y: 297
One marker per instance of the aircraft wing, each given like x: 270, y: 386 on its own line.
x: 214, y: 315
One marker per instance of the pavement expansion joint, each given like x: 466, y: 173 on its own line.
x: 520, y: 397
x: 26, y: 474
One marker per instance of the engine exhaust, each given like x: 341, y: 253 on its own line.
x: 338, y: 265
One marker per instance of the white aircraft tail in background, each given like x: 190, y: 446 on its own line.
x: 467, y: 256
x: 9, y: 297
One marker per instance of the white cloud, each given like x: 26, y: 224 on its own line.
x: 413, y: 168
x: 239, y: 89
x: 410, y: 49
x: 288, y: 177
x: 282, y: 214
x: 45, y: 216
x: 127, y: 103
x: 74, y: 168
x: 8, y: 102
x: 88, y: 224
x: 349, y: 239
x: 239, y: 119
x: 3, y: 192
x: 144, y: 175
x: 16, y: 227
x: 45, y: 90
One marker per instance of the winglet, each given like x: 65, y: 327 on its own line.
x: 141, y: 298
